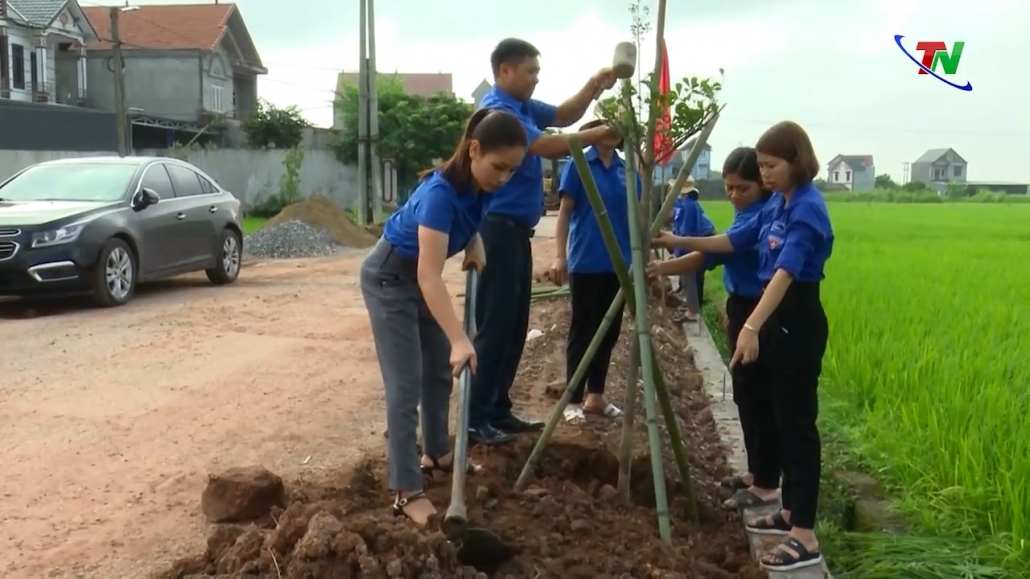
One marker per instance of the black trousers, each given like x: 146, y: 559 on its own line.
x: 502, y: 317
x: 791, y: 347
x: 753, y: 395
x: 592, y: 294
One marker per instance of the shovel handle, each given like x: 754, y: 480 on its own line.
x: 456, y: 519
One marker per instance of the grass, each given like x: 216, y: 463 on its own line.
x: 926, y: 381
x: 252, y: 224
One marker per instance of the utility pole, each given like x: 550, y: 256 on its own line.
x: 121, y: 110
x: 370, y: 181
x: 364, y: 207
x: 375, y: 163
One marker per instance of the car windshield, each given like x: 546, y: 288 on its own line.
x: 70, y: 182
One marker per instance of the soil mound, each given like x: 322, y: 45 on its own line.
x: 320, y: 212
x: 569, y: 523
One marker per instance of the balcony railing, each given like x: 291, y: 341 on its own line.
x: 70, y: 96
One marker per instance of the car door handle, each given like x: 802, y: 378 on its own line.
x: 212, y: 209
x: 180, y: 216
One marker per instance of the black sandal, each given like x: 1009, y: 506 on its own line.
x: 778, y: 559
x: 773, y: 524
x: 470, y: 468
x: 399, y: 502
x: 745, y: 499
x: 734, y: 483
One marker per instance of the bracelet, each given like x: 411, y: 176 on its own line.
x: 748, y: 326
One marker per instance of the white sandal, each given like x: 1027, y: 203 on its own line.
x: 574, y: 414
x: 610, y: 411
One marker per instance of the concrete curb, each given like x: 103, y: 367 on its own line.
x: 718, y: 385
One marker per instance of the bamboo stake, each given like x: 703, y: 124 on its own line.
x: 580, y: 159
x: 646, y: 358
x: 633, y: 369
x: 650, y: 154
x: 629, y: 414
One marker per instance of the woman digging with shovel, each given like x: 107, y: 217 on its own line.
x: 419, y: 340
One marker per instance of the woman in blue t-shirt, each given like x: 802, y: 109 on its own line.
x: 689, y: 220
x: 751, y: 390
x: 419, y: 339
x: 583, y: 260
x: 795, y: 240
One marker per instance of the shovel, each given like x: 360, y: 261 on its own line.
x: 477, y: 547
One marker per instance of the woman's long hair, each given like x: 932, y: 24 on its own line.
x: 493, y: 129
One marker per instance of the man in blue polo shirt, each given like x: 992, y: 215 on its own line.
x: 502, y: 306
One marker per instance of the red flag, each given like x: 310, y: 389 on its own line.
x: 663, y: 145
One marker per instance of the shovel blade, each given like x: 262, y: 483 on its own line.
x: 483, y: 550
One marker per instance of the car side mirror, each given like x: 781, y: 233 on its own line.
x: 146, y: 198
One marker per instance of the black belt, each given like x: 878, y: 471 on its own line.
x: 529, y: 231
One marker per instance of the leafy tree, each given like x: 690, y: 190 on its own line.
x: 885, y: 182
x: 274, y: 127
x: 414, y: 131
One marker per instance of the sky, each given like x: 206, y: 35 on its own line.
x: 832, y: 66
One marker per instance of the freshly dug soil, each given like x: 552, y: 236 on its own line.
x: 569, y: 523
x: 321, y: 212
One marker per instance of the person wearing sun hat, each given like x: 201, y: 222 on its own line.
x: 689, y: 220
x: 583, y: 261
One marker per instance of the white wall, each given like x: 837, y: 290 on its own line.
x: 251, y: 175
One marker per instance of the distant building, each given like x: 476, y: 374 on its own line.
x: 941, y: 166
x: 855, y: 172
x: 702, y: 168
x: 481, y: 91
x: 184, y: 63
x: 417, y: 83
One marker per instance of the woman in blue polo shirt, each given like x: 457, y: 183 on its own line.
x: 751, y: 391
x: 583, y: 259
x: 689, y: 220
x: 795, y: 240
x: 419, y: 338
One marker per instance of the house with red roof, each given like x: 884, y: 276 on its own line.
x: 185, y: 64
x: 855, y: 172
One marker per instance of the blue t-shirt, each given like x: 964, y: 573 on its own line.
x: 436, y: 204
x: 740, y: 269
x: 521, y: 199
x: 689, y: 220
x: 797, y: 238
x: 587, y: 252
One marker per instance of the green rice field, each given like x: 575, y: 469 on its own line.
x: 926, y: 382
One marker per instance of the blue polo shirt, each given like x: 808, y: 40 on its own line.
x: 689, y: 220
x: 795, y: 237
x: 436, y: 204
x: 587, y: 252
x: 521, y: 199
x: 740, y: 269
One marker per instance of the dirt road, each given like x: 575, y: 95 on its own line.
x: 111, y: 419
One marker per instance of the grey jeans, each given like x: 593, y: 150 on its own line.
x: 414, y: 357
x: 688, y: 289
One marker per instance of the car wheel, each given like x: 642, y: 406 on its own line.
x: 227, y: 269
x: 114, y: 276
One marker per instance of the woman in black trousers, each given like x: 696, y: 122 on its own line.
x: 795, y: 240
x: 751, y: 390
x: 583, y: 259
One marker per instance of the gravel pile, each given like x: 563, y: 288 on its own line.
x: 291, y: 239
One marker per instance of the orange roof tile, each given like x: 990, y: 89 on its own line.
x: 163, y: 27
